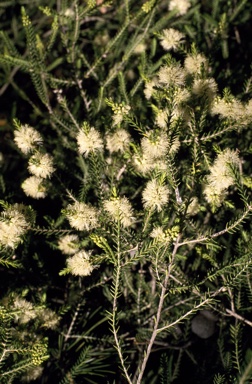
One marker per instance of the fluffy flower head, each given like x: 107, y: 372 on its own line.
x: 118, y: 141
x: 68, y: 244
x: 171, y: 75
x: 181, y: 6
x: 155, y: 195
x: 13, y: 225
x: 34, y: 187
x: 41, y: 165
x: 150, y: 88
x: 205, y: 87
x: 27, y: 138
x: 81, y: 216
x: 120, y: 110
x: 79, y: 264
x: 119, y: 208
x: 221, y: 177
x: 194, y: 63
x: 232, y: 108
x: 24, y: 310
x: 171, y: 38
x: 89, y: 140
x: 155, y: 145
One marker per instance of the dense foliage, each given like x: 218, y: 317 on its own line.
x: 125, y: 222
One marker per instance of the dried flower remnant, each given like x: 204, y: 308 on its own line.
x: 193, y: 208
x: 89, y: 140
x: 34, y: 187
x: 27, y: 139
x: 32, y: 374
x: 48, y: 317
x: 181, y: 6
x: 24, y: 310
x: 155, y: 195
x: 41, y: 165
x: 13, y: 225
x: 172, y: 74
x: 194, y: 63
x: 68, y: 244
x: 79, y: 264
x: 118, y: 141
x: 82, y: 216
x: 120, y: 209
x: 171, y: 39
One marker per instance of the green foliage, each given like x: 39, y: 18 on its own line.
x: 125, y: 222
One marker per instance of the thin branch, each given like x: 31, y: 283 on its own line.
x: 158, y: 316
x: 220, y: 233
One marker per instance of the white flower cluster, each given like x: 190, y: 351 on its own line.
x: 13, y: 225
x: 155, y: 195
x: 118, y: 141
x: 68, y: 244
x: 221, y: 177
x: 120, y: 110
x: 120, y: 209
x: 40, y: 164
x: 232, y: 109
x: 180, y: 6
x: 171, y: 39
x: 79, y: 264
x: 82, y: 216
x: 24, y: 311
x: 153, y: 150
x: 89, y: 140
x: 78, y: 261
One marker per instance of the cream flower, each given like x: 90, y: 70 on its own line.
x: 194, y: 63
x: 142, y: 163
x: 24, y: 310
x: 155, y: 145
x: 181, y: 6
x: 120, y: 110
x: 232, y: 109
x: 120, y: 209
x: 118, y: 141
x: 32, y: 374
x: 79, y: 264
x: 48, y: 317
x: 41, y: 165
x: 13, y: 225
x: 34, y: 187
x: 82, y: 216
x: 150, y: 88
x: 68, y: 244
x: 27, y: 138
x: 155, y: 195
x: 171, y: 38
x: 171, y: 75
x: 89, y: 141
x: 162, y: 118
x: 205, y: 87
x: 158, y: 233
x: 221, y: 177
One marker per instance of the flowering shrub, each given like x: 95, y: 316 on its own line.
x: 126, y: 195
